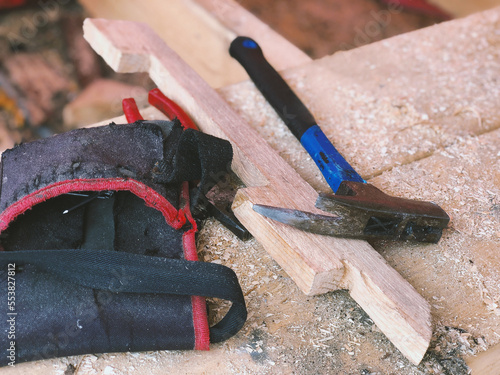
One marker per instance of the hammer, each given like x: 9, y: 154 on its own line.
x: 360, y: 209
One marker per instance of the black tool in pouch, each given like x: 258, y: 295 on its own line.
x: 98, y: 244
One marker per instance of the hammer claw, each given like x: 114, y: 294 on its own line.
x: 365, y: 212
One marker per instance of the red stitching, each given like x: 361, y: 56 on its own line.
x: 175, y: 218
x: 200, y: 318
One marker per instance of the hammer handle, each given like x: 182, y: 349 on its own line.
x: 293, y: 112
x: 274, y: 88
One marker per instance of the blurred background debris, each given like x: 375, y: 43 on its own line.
x: 52, y: 81
x: 323, y: 27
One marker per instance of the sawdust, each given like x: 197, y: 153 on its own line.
x: 287, y: 332
x: 419, y: 145
x: 464, y: 265
x: 409, y: 104
x: 419, y: 125
x: 406, y: 103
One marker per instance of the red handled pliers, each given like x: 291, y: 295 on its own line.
x: 167, y: 106
x: 172, y: 110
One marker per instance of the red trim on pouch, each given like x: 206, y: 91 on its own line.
x: 175, y: 218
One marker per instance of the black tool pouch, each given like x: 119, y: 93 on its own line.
x: 98, y: 244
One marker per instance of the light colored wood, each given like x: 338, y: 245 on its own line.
x: 440, y: 79
x: 316, y: 263
x: 418, y: 114
x: 201, y: 33
x: 406, y: 113
x: 461, y: 8
x: 100, y: 99
x: 150, y: 113
x: 185, y: 31
x: 486, y: 363
x: 282, y: 54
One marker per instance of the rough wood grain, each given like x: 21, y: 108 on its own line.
x: 184, y: 30
x: 316, y: 263
x: 393, y: 102
x: 421, y: 112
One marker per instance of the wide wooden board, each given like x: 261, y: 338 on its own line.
x: 418, y: 114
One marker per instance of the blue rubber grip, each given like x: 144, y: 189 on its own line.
x: 293, y: 112
x: 332, y: 165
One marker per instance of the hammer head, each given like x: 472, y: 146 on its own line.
x: 363, y: 211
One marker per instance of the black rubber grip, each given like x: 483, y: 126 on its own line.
x: 274, y: 88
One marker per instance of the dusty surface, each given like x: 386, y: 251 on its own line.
x: 461, y: 274
x: 421, y: 120
x: 419, y: 115
x: 45, y: 63
x: 400, y: 95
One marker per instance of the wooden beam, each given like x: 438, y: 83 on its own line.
x: 486, y: 363
x: 317, y: 264
x: 282, y: 54
x: 200, y: 32
x: 197, y: 39
x: 461, y: 8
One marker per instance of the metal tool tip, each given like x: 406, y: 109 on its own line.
x: 274, y: 213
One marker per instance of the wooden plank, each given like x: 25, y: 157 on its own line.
x: 392, y: 102
x: 461, y: 8
x: 316, y: 263
x: 459, y: 275
x: 198, y: 40
x: 418, y: 114
x: 282, y: 54
x: 486, y: 363
x: 200, y: 32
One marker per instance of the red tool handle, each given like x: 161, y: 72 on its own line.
x: 167, y: 106
x: 130, y: 110
x: 170, y: 108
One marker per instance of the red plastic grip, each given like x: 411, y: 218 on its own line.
x: 157, y: 99
x: 130, y: 110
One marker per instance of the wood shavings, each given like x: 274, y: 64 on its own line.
x: 466, y: 261
x: 409, y: 122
